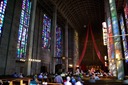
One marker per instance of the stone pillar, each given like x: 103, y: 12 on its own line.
x: 31, y: 32
x: 39, y: 38
x: 75, y: 59
x: 53, y: 41
x: 66, y: 46
x: 117, y: 41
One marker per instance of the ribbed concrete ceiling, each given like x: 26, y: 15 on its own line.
x: 81, y: 12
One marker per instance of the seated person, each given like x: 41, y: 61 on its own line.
x: 1, y: 82
x: 92, y: 79
x: 73, y: 80
x: 78, y: 81
x: 15, y: 75
x: 20, y: 75
x: 68, y: 81
x: 96, y: 77
x: 40, y: 77
x: 34, y: 81
x: 58, y: 79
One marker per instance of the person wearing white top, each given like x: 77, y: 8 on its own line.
x: 78, y: 81
x: 68, y: 81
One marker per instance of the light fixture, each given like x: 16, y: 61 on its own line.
x: 84, y: 26
x: 70, y: 65
x: 63, y: 58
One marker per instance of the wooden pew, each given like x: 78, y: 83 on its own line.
x: 54, y: 84
x: 17, y: 81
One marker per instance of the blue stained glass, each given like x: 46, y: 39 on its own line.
x: 117, y: 44
x: 126, y: 18
x: 58, y: 42
x: 23, y: 29
x: 3, y: 4
x: 46, y: 38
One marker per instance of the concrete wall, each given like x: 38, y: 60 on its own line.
x: 8, y: 45
x: 9, y: 37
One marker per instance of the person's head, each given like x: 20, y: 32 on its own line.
x: 34, y: 77
x: 96, y: 75
x: 78, y: 79
x: 68, y: 78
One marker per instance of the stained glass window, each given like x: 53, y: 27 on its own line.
x: 58, y: 42
x: 126, y: 15
x: 123, y: 32
x: 3, y: 4
x: 126, y: 20
x: 117, y: 43
x: 23, y: 29
x: 46, y: 38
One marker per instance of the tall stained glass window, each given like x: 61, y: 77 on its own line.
x: 58, y: 42
x: 117, y: 39
x: 23, y: 29
x: 3, y: 4
x: 126, y: 15
x: 123, y: 32
x: 126, y: 20
x: 46, y: 38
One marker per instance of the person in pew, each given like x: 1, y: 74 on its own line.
x: 45, y: 77
x: 15, y: 75
x: 40, y: 77
x: 96, y: 77
x: 79, y: 82
x: 34, y: 81
x: 68, y: 81
x: 1, y: 82
x: 92, y: 79
x: 20, y: 75
x: 58, y: 78
x: 73, y: 80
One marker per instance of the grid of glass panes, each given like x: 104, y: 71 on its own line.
x: 3, y: 4
x: 58, y: 42
x: 23, y: 29
x: 46, y: 38
x: 126, y: 18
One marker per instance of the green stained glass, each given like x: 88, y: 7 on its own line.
x: 23, y: 29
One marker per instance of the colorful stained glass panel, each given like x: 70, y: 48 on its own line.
x: 46, y: 37
x: 3, y: 4
x: 58, y: 42
x: 23, y: 29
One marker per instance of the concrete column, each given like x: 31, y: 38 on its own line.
x: 66, y: 46
x: 31, y: 32
x: 53, y: 41
x: 39, y: 42
x: 75, y: 59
